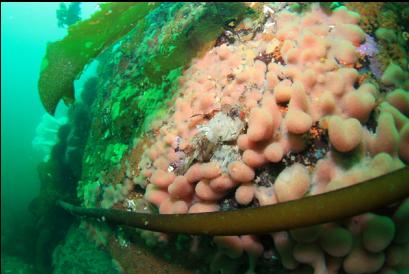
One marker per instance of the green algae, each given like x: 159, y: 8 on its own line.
x: 65, y: 59
x: 89, y: 193
x: 114, y: 152
x: 116, y: 110
x: 79, y: 254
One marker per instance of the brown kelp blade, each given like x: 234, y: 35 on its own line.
x: 312, y: 210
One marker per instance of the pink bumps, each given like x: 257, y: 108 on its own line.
x: 292, y: 183
x: 378, y: 233
x: 180, y: 188
x: 155, y: 195
x: 206, y: 193
x: 170, y: 206
x: 274, y: 152
x: 260, y: 125
x: 359, y: 104
x: 162, y: 178
x: 311, y: 254
x: 201, y: 207
x: 222, y: 183
x: 210, y: 170
x: 399, y: 98
x: 194, y: 173
x: 344, y: 135
x: 361, y: 261
x: 241, y: 172
x: 244, y: 194
x: 298, y: 121
x: 202, y: 171
x: 387, y: 136
x: 254, y: 158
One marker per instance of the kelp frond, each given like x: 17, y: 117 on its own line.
x: 312, y: 210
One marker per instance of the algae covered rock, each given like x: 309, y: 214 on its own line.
x: 79, y: 254
x: 138, y: 78
x: 163, y: 127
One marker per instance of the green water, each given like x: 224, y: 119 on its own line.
x: 25, y: 30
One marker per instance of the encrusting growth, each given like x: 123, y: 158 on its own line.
x: 282, y: 112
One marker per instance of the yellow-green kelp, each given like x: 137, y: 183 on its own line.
x: 312, y: 210
x: 65, y: 59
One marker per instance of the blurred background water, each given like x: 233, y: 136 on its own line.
x: 25, y: 30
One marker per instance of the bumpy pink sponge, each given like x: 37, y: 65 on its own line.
x: 260, y: 125
x: 162, y: 178
x: 387, y: 136
x: 240, y: 172
x: 344, y: 135
x: 271, y: 113
x: 399, y: 98
x: 298, y: 120
x: 361, y: 261
x: 336, y: 241
x: 180, y: 188
x: 222, y: 183
x: 378, y: 233
x: 244, y: 194
x: 311, y: 254
x: 292, y: 183
x: 359, y: 104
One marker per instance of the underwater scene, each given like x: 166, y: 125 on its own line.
x: 205, y: 137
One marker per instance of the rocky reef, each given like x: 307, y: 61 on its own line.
x: 214, y: 107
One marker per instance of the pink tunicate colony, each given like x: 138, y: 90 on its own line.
x: 318, y: 85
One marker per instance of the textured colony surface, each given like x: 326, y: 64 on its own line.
x: 253, y: 113
x: 277, y: 116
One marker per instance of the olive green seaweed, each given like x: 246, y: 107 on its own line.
x: 312, y: 210
x: 65, y: 59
